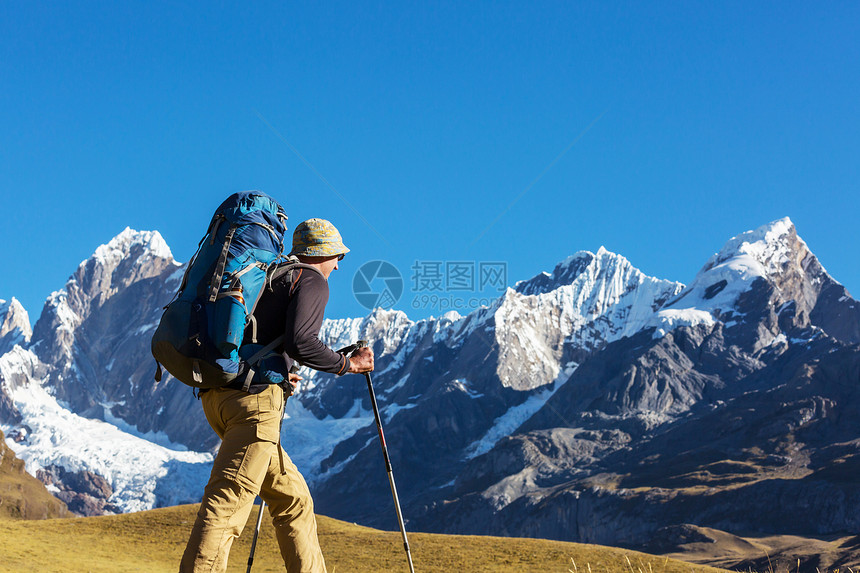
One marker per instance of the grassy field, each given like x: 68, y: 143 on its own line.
x: 153, y: 541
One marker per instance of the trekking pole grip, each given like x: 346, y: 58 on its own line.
x: 347, y: 350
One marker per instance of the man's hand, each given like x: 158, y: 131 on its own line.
x: 361, y: 361
x: 293, y: 379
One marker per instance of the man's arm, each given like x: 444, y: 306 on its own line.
x: 304, y: 316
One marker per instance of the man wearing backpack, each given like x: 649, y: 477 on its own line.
x: 250, y: 460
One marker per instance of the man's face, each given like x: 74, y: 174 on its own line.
x: 325, y: 264
x: 329, y: 265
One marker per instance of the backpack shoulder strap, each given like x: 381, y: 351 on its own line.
x: 285, y: 269
x: 276, y: 271
x: 279, y: 270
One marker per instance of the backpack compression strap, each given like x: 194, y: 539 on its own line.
x: 215, y: 284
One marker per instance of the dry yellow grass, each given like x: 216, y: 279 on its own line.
x: 153, y: 541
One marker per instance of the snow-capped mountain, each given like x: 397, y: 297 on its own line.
x: 735, y: 407
x: 77, y: 403
x: 586, y: 403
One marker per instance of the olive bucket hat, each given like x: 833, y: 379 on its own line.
x: 317, y: 238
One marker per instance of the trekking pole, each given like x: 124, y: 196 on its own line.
x: 288, y: 391
x: 348, y: 350
x: 256, y: 534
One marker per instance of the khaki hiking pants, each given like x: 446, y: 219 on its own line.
x: 249, y: 463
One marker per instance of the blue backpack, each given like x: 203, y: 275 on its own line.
x: 199, y: 338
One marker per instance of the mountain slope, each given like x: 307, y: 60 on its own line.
x: 451, y: 387
x: 22, y: 495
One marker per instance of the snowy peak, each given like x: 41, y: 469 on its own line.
x: 14, y: 325
x: 564, y: 273
x: 610, y: 273
x: 128, y: 257
x: 769, y: 252
x: 714, y: 293
x: 590, y: 284
x: 772, y: 252
x: 755, y: 272
x: 590, y: 299
x: 125, y: 260
x: 149, y: 243
x: 387, y: 326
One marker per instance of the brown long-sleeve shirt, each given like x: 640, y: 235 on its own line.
x: 296, y: 310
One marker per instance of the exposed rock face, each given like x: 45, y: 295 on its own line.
x: 14, y: 325
x: 21, y: 495
x: 84, y: 492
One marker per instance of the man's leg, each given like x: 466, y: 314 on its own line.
x: 240, y: 467
x: 292, y: 511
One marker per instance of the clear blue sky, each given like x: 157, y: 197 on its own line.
x: 690, y: 122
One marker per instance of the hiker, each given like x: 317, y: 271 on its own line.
x: 251, y: 460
